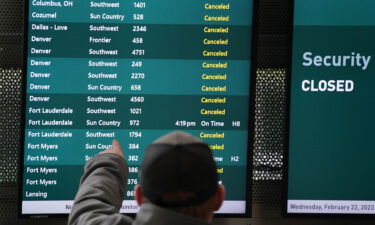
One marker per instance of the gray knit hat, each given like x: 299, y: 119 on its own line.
x: 178, y: 162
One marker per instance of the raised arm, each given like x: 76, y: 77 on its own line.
x: 101, y: 190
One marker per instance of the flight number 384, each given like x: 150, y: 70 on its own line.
x: 133, y: 146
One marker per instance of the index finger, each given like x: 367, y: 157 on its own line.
x: 116, y: 147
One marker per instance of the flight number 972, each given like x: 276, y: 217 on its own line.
x: 134, y: 122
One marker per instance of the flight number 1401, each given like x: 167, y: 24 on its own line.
x: 139, y: 5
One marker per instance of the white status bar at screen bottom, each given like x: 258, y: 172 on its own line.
x: 64, y: 207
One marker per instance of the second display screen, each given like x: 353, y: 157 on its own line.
x: 331, y: 133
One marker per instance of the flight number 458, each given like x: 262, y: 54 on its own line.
x: 137, y: 40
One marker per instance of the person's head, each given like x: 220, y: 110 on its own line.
x: 179, y: 173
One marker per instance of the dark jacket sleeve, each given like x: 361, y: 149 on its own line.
x: 101, y: 192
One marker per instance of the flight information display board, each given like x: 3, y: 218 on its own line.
x: 133, y: 71
x: 332, y: 108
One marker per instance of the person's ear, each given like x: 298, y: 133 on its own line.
x: 220, y: 196
x: 138, y: 194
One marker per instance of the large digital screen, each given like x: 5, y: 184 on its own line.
x: 332, y: 108
x: 133, y: 71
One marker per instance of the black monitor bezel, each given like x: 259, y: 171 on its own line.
x: 251, y: 122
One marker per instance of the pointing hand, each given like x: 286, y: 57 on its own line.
x: 116, y: 149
